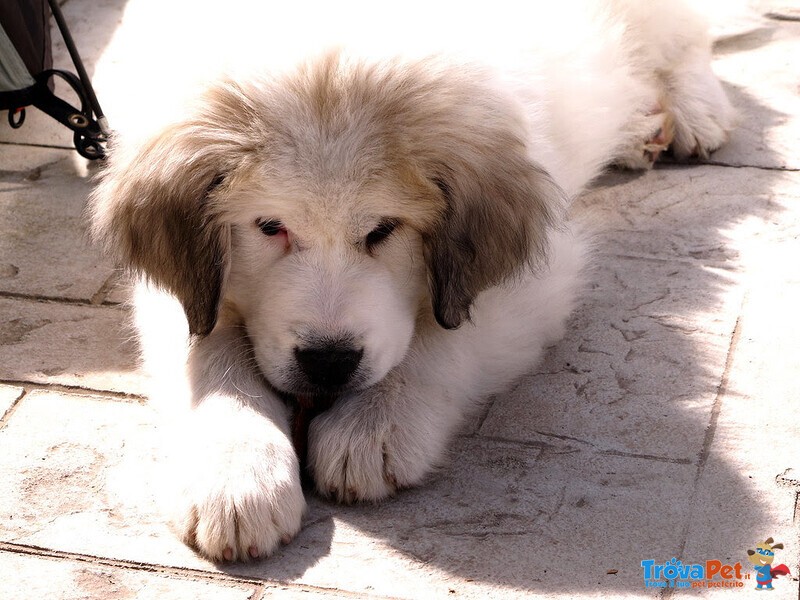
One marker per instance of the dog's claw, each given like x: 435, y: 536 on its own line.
x: 643, y: 153
x: 227, y: 554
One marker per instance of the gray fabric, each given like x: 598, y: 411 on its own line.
x: 14, y: 74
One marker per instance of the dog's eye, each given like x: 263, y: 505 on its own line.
x: 380, y: 233
x: 270, y: 227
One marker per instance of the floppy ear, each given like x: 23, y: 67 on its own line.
x: 498, y: 206
x: 154, y: 207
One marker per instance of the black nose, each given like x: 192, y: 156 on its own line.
x: 330, y: 364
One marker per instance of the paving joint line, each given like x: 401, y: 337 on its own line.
x: 99, y: 298
x: 676, y: 165
x: 759, y: 167
x: 181, y: 573
x: 75, y: 390
x: 185, y: 573
x: 259, y: 594
x: 35, y: 145
x: 521, y: 443
x: 43, y: 299
x: 544, y: 446
x: 722, y: 390
x: 710, y: 433
x: 653, y: 457
x: 485, y: 410
x: 688, y: 261
x: 12, y: 409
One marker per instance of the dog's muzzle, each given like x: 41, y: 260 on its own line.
x: 328, y: 367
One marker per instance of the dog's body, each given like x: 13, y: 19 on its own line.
x: 389, y: 234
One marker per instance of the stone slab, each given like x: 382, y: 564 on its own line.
x: 77, y: 478
x: 24, y: 576
x: 687, y: 213
x: 762, y: 74
x: 499, y: 521
x: 501, y: 518
x: 44, y: 249
x: 638, y: 369
x: 62, y: 344
x: 8, y: 395
x: 756, y: 433
x: 478, y: 527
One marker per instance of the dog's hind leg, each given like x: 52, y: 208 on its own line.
x: 671, y: 53
x: 702, y: 114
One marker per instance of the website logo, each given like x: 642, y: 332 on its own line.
x: 716, y: 574
x: 709, y: 574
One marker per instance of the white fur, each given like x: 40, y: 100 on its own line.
x: 589, y: 94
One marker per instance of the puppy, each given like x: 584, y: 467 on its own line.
x: 383, y: 235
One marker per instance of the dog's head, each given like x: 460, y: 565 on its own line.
x: 334, y: 210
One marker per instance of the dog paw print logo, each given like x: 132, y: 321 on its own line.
x: 762, y: 558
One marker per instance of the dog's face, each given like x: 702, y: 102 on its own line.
x: 328, y: 278
x: 334, y: 211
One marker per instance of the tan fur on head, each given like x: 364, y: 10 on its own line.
x: 153, y: 208
x: 455, y: 145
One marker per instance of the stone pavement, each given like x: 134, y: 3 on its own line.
x: 663, y: 425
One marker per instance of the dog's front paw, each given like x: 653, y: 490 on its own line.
x: 360, y: 451
x: 237, y: 498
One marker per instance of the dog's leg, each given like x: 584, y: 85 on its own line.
x: 392, y: 435
x: 685, y: 107
x: 231, y: 476
x: 701, y: 111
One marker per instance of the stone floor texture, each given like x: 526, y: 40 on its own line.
x: 663, y: 425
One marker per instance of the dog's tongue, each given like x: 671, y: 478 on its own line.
x: 306, y: 408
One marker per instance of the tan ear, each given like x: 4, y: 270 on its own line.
x: 495, y: 202
x: 498, y: 207
x: 154, y: 206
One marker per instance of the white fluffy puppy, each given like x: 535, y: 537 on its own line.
x: 384, y: 234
